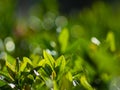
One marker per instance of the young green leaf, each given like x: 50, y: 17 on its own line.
x: 35, y: 59
x: 25, y: 59
x: 10, y: 59
x: 65, y: 82
x: 41, y: 62
x: 60, y: 62
x: 55, y: 86
x: 85, y: 83
x: 24, y: 63
x: 63, y: 39
x: 11, y: 69
x: 69, y: 76
x: 49, y: 59
x: 111, y: 41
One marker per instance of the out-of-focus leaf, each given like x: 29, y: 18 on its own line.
x: 2, y: 63
x: 2, y: 83
x: 49, y: 59
x: 27, y: 87
x: 74, y: 46
x: 63, y: 39
x: 55, y: 87
x: 53, y: 7
x: 69, y: 76
x: 60, y: 62
x: 111, y: 41
x: 65, y: 82
x: 49, y: 83
x: 85, y: 83
x: 10, y: 59
x: 108, y: 63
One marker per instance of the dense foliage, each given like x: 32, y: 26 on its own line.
x: 46, y: 50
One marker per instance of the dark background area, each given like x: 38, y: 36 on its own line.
x: 65, y: 6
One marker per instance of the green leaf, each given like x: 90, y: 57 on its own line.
x: 65, y: 82
x: 35, y: 59
x: 49, y: 59
x: 11, y: 69
x: 6, y: 77
x: 25, y: 59
x: 60, y: 62
x: 55, y: 86
x: 17, y: 64
x: 69, y: 76
x: 63, y: 39
x: 111, y: 41
x: 48, y: 69
x: 42, y: 62
x: 2, y: 83
x: 85, y: 83
x: 2, y: 64
x: 10, y: 59
x: 24, y: 63
x: 11, y: 72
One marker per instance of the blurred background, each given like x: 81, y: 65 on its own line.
x: 27, y: 25
x: 87, y: 29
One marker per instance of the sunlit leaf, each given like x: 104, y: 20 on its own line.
x: 10, y: 66
x: 63, y: 39
x: 53, y: 75
x: 60, y: 62
x: 42, y: 62
x: 85, y: 83
x: 11, y: 69
x: 111, y: 41
x: 11, y: 72
x: 69, y: 76
x: 25, y: 59
x: 10, y: 59
x: 35, y: 59
x: 49, y: 59
x: 24, y: 63
x: 65, y: 82
x: 55, y: 86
